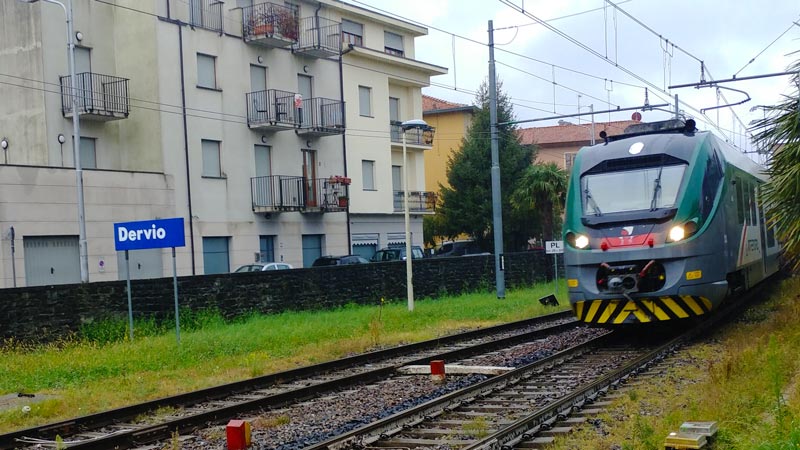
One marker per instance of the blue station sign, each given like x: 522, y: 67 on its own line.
x: 160, y: 233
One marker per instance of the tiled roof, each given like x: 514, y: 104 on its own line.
x: 569, y: 132
x: 432, y: 104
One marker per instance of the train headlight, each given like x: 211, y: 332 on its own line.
x: 676, y: 233
x: 578, y: 241
x: 680, y: 232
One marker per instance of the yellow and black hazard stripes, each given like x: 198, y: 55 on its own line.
x: 649, y: 309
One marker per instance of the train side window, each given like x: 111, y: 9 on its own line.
x: 753, y: 216
x: 711, y: 181
x: 748, y: 220
x: 739, y: 200
x: 770, y: 235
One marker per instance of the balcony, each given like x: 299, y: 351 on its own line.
x: 319, y: 37
x: 206, y: 14
x: 271, y: 110
x: 414, y: 136
x: 100, y: 97
x: 419, y: 202
x: 321, y: 117
x: 269, y: 25
x: 281, y: 193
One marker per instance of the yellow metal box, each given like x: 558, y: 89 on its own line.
x: 684, y: 441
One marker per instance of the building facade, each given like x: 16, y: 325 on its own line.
x: 452, y: 121
x: 229, y: 114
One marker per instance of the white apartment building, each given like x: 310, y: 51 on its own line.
x: 229, y: 114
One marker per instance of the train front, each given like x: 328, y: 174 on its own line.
x: 642, y: 242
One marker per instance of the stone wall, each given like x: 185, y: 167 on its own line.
x: 44, y: 313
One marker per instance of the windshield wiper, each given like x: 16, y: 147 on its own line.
x: 656, y: 189
x: 592, y: 203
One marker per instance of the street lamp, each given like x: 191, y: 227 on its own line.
x: 76, y: 136
x: 422, y: 126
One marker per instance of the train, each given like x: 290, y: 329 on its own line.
x: 662, y: 224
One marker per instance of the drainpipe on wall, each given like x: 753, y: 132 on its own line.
x: 344, y: 144
x: 185, y: 137
x: 13, y: 259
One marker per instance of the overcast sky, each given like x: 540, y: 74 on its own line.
x: 726, y: 35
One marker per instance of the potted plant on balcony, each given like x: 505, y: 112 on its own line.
x: 262, y: 25
x: 286, y: 21
x: 342, y: 201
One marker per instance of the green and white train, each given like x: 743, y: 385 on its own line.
x: 662, y: 224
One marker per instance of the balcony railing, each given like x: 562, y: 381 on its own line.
x: 414, y: 136
x: 99, y: 97
x: 319, y: 37
x: 278, y: 193
x: 270, y: 25
x: 206, y: 14
x: 418, y: 201
x: 271, y: 110
x: 321, y: 117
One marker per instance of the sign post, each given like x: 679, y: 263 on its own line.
x: 141, y: 235
x: 554, y: 248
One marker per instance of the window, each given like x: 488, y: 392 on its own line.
x: 211, y: 159
x: 601, y: 190
x: 266, y: 248
x: 739, y: 200
x: 88, y: 153
x: 397, y: 181
x: 215, y: 255
x: 206, y: 71
x: 263, y: 164
x: 352, y: 32
x: 393, y: 43
x: 368, y: 174
x: 206, y: 14
x: 569, y: 160
x: 365, y: 101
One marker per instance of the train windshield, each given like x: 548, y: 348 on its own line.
x: 648, y: 188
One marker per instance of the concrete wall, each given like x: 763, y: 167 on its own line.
x: 50, y: 312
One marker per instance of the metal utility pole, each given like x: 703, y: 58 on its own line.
x: 497, y: 212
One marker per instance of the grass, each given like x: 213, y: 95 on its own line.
x: 105, y: 370
x: 746, y: 378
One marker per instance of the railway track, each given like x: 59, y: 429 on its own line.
x: 508, y: 409
x: 512, y: 410
x: 135, y: 425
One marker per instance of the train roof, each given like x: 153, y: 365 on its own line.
x: 673, y: 138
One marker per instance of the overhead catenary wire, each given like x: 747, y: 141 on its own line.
x: 604, y: 58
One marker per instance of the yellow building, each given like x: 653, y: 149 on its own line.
x: 451, y: 121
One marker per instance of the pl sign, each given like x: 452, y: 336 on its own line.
x: 160, y: 233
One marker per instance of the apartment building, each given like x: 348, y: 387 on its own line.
x: 383, y: 89
x: 452, y: 122
x: 229, y: 114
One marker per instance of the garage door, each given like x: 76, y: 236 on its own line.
x: 144, y: 264
x: 51, y: 260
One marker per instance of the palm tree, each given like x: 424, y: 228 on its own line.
x: 541, y: 189
x: 779, y: 133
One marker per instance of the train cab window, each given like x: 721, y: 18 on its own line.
x: 739, y: 200
x: 646, y: 188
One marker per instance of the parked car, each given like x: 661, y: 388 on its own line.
x: 459, y: 248
x: 339, y: 260
x: 396, y: 253
x: 263, y: 267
